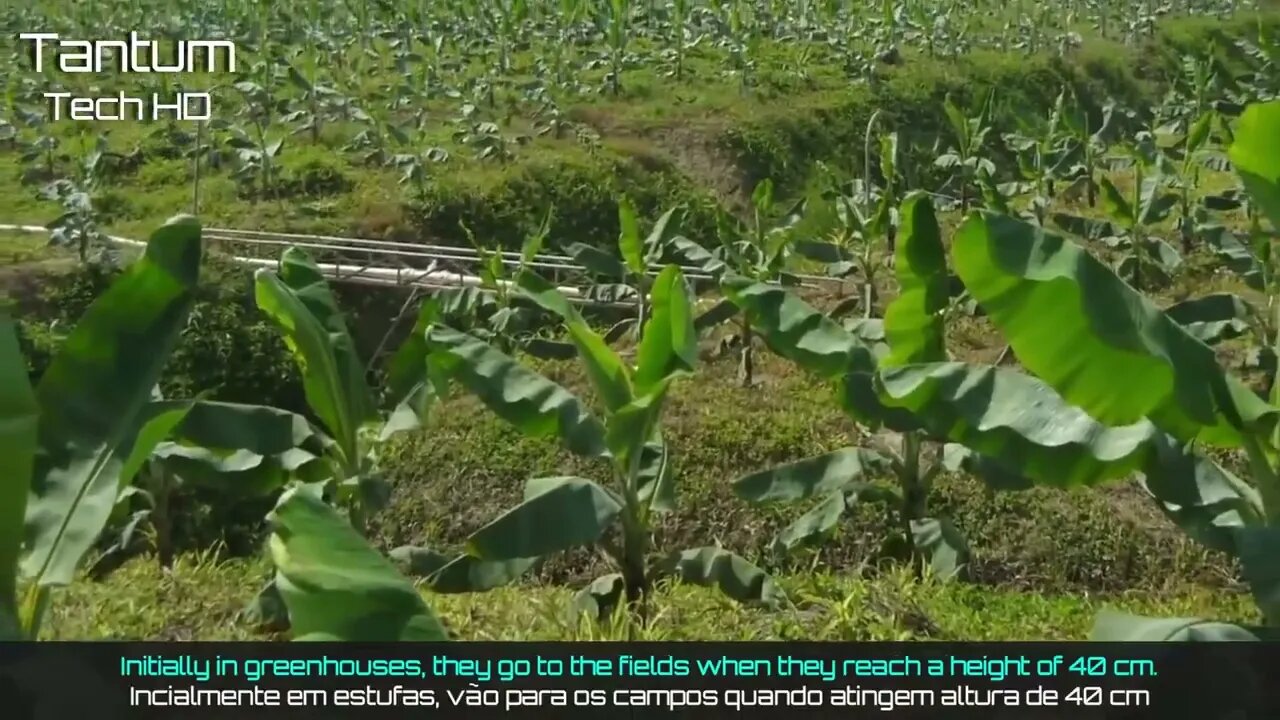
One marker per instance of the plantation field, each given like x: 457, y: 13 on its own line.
x: 831, y: 380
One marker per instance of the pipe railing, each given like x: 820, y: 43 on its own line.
x: 428, y: 278
x: 391, y: 248
x: 384, y: 262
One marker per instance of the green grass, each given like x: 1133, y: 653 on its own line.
x: 201, y: 598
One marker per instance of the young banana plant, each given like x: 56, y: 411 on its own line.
x: 1113, y: 354
x: 914, y: 329
x: 351, y: 427
x: 83, y: 432
x: 965, y: 157
x: 1145, y: 258
x: 315, y: 102
x: 1012, y: 430
x: 1043, y: 158
x: 1091, y: 141
x: 759, y: 249
x: 1185, y: 159
x: 258, y: 153
x: 297, y: 300
x: 559, y: 513
x: 92, y: 424
x: 618, y: 34
x: 235, y: 451
x: 1248, y: 255
x: 860, y: 219
x: 678, y: 30
x: 493, y: 311
x: 505, y: 19
x: 628, y: 275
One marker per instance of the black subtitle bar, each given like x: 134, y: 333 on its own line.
x: 640, y: 680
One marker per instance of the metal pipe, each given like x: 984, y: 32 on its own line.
x: 441, y: 250
x: 389, y: 276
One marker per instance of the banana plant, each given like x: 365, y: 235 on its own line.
x: 1144, y: 257
x: 965, y: 157
x: 562, y: 40
x: 78, y: 225
x: 678, y: 29
x: 863, y: 216
x: 504, y: 19
x: 1248, y: 255
x: 901, y: 449
x: 296, y: 299
x: 334, y: 585
x: 317, y: 104
x: 617, y: 35
x: 1114, y: 355
x: 853, y: 246
x: 1043, y: 155
x: 1010, y: 429
x: 72, y: 443
x: 493, y: 311
x: 234, y: 451
x: 1263, y: 54
x: 759, y: 249
x: 82, y: 433
x: 559, y: 513
x: 40, y: 156
x: 1192, y: 89
x: 630, y: 272
x: 1185, y: 158
x: 1091, y: 140
x: 258, y: 153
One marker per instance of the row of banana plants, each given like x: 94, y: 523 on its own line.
x: 1110, y: 386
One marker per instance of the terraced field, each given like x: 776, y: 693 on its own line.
x: 889, y: 320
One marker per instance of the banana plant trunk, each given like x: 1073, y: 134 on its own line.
x: 635, y: 577
x: 162, y: 518
x: 915, y: 495
x: 869, y: 276
x: 746, y: 368
x: 195, y: 170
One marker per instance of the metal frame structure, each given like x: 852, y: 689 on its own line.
x: 400, y: 264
